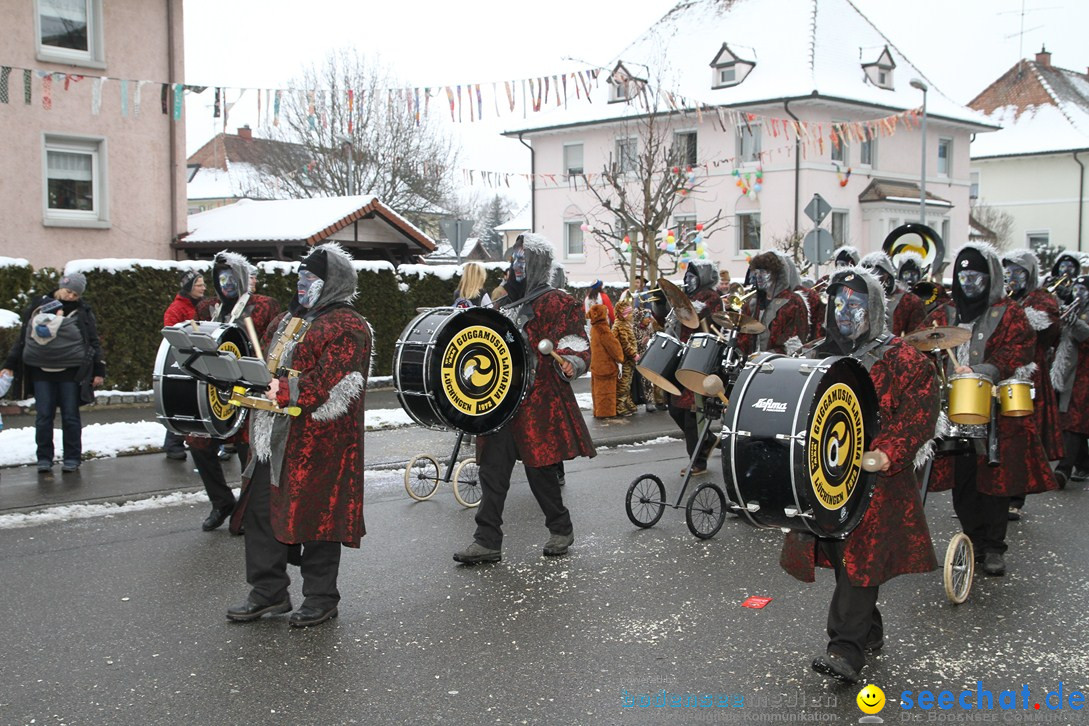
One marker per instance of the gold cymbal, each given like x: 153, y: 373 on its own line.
x: 744, y: 323
x: 682, y: 306
x: 936, y: 338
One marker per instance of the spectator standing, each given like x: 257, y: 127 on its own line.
x: 470, y: 292
x: 182, y: 309
x: 605, y: 355
x: 595, y: 295
x: 59, y: 352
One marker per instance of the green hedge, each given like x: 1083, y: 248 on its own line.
x: 129, y: 299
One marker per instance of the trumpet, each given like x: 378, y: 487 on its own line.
x: 1063, y: 281
x: 1069, y: 311
x: 735, y: 302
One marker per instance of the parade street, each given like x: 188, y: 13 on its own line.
x: 120, y: 619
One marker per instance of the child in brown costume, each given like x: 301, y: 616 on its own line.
x: 605, y: 355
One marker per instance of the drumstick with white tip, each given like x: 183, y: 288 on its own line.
x: 874, y: 460
x: 547, y: 348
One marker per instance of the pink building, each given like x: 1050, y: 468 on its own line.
x: 93, y: 167
x: 805, y: 92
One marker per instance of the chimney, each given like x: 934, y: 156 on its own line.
x: 246, y: 133
x: 1043, y: 57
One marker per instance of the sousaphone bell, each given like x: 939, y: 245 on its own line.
x: 917, y: 238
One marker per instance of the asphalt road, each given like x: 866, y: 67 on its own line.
x: 120, y: 619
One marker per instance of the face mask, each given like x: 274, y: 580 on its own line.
x: 910, y: 276
x: 762, y: 279
x: 691, y: 281
x: 1016, y: 278
x: 1068, y: 268
x: 228, y: 283
x: 1081, y: 294
x: 518, y: 265
x: 851, y: 311
x: 972, y: 283
x: 885, y: 279
x: 309, y: 288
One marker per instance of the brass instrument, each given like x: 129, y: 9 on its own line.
x: 735, y: 302
x: 918, y: 238
x: 645, y: 293
x: 1063, y: 281
x: 1068, y: 312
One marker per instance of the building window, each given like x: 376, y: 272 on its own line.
x: 839, y: 228
x: 1038, y: 239
x: 748, y: 144
x: 841, y: 150
x: 684, y: 226
x: 867, y: 150
x: 727, y: 76
x: 74, y: 189
x: 627, y: 155
x: 684, y: 147
x: 945, y: 231
x: 748, y: 232
x: 973, y: 188
x: 572, y: 159
x: 572, y: 239
x: 945, y: 156
x: 70, y: 31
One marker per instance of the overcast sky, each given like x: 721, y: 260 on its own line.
x: 961, y: 45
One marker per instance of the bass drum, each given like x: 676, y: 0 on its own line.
x: 188, y: 406
x: 795, y: 432
x: 461, y: 368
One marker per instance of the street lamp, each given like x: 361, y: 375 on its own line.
x: 916, y: 83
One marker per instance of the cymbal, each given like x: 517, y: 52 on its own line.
x: 682, y: 306
x: 744, y: 323
x: 936, y: 338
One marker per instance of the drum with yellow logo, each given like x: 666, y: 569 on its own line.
x: 970, y: 397
x: 1015, y: 397
x: 463, y: 369
x: 793, y: 437
x: 187, y: 405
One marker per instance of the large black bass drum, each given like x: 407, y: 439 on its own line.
x: 189, y: 406
x: 461, y: 368
x: 794, y: 433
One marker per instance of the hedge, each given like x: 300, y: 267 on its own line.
x: 129, y: 297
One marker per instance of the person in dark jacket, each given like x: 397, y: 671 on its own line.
x: 59, y: 352
x: 183, y: 308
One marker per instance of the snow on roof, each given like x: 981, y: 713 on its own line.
x: 519, y: 223
x: 800, y: 48
x: 239, y: 180
x: 285, y: 220
x: 445, y: 249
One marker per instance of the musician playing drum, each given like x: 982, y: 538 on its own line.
x: 1042, y: 310
x: 1002, y: 341
x: 548, y: 427
x: 231, y: 280
x: 892, y: 538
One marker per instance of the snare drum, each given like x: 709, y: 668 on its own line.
x: 794, y: 433
x: 188, y: 406
x: 461, y: 368
x: 1015, y: 397
x: 702, y: 358
x: 659, y: 363
x: 970, y: 397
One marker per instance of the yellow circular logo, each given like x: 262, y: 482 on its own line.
x: 219, y: 401
x: 476, y: 370
x: 835, y: 444
x: 871, y: 699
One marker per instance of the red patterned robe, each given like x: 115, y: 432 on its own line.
x: 1075, y: 418
x: 892, y: 538
x: 548, y: 427
x: 1042, y: 310
x: 909, y: 313
x: 1024, y: 467
x: 319, y: 496
x: 791, y: 321
x: 263, y: 309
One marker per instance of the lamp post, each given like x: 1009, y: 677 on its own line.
x: 916, y: 83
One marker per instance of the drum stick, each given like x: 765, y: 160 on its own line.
x: 547, y: 348
x: 247, y: 322
x: 713, y: 385
x: 871, y: 462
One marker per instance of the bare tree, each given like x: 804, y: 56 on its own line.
x: 379, y: 142
x: 792, y: 246
x: 999, y: 222
x: 639, y: 192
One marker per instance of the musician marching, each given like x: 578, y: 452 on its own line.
x: 892, y: 538
x: 783, y: 311
x: 1002, y: 343
x: 1070, y: 376
x: 904, y: 310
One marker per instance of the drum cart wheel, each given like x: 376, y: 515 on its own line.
x: 960, y: 565
x: 646, y: 501
x: 706, y: 510
x: 467, y: 484
x: 422, y: 477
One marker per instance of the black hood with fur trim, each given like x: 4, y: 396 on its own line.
x: 1027, y: 259
x: 237, y: 264
x: 968, y: 257
x: 706, y: 272
x: 333, y: 265
x: 875, y: 309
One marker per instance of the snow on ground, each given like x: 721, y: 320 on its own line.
x: 387, y: 418
x: 99, y: 441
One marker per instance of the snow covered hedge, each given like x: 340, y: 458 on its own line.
x: 129, y: 297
